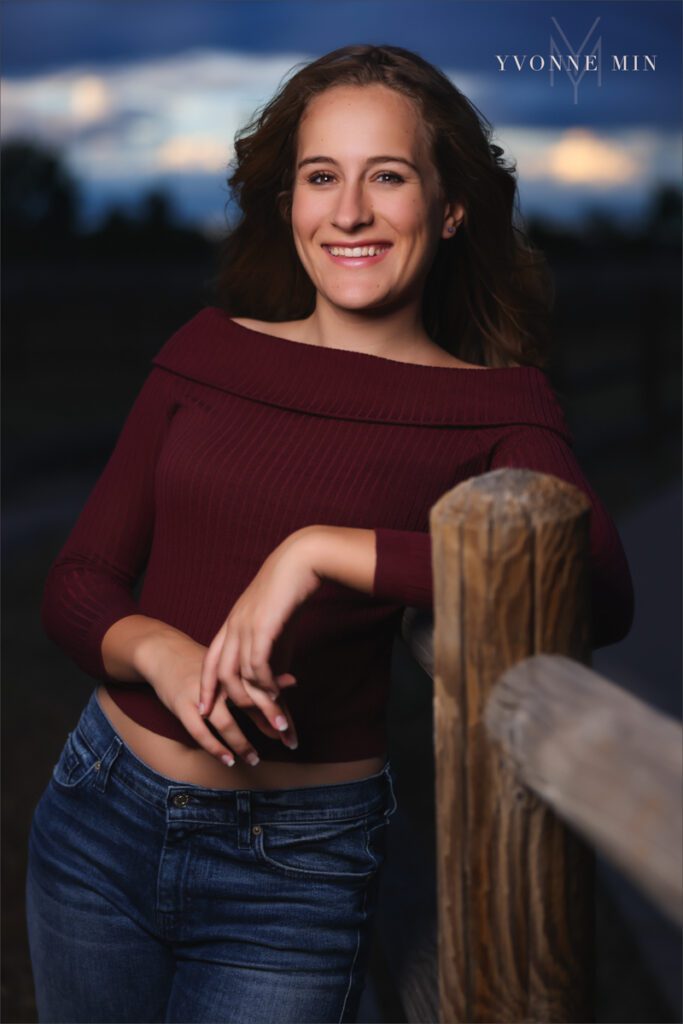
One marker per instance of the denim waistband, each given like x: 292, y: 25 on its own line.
x: 189, y: 802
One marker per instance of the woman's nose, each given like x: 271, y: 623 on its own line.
x: 353, y: 207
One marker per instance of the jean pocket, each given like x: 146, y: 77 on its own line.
x: 318, y: 850
x: 77, y: 762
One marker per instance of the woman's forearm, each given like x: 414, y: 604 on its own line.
x: 344, y: 554
x: 133, y: 647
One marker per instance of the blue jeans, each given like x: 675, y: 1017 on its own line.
x: 149, y: 899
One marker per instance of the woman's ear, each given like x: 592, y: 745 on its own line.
x: 284, y: 206
x: 454, y: 215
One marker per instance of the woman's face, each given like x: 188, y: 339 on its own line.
x: 364, y: 177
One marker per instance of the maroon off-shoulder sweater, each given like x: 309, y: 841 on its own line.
x: 236, y: 439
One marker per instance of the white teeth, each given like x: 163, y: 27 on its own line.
x: 367, y: 250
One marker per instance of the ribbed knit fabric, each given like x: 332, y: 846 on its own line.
x: 238, y: 438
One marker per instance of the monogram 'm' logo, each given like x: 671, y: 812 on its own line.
x: 572, y: 68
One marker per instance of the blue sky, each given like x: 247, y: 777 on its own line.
x: 151, y: 92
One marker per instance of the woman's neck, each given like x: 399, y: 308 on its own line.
x: 395, y: 335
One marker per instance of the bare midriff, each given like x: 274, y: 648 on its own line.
x: 197, y: 767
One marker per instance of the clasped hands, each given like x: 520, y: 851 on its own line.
x: 236, y: 665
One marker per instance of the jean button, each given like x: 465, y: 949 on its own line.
x: 181, y: 800
x: 97, y: 765
x: 256, y: 830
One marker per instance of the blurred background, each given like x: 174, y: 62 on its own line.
x: 117, y: 131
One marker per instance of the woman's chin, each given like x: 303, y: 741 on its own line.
x: 359, y: 303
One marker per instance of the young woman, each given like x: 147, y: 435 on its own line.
x: 209, y: 844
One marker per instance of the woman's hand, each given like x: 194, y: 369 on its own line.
x: 173, y: 667
x: 139, y: 648
x: 237, y: 661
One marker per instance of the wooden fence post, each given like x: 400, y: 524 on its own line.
x: 515, y: 915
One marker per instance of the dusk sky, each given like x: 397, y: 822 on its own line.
x: 145, y: 94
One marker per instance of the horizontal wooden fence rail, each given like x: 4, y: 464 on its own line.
x: 607, y: 763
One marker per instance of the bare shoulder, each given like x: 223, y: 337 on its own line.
x: 247, y: 321
x: 279, y: 329
x: 458, y: 364
x: 437, y: 356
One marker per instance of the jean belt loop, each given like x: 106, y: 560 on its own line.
x: 104, y: 764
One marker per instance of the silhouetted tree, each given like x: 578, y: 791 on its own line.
x: 664, y: 218
x: 40, y: 199
x: 156, y: 210
x: 147, y: 230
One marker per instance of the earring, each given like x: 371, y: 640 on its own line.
x: 451, y: 229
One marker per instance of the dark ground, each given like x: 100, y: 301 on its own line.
x: 77, y: 343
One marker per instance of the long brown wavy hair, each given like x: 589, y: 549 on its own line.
x: 489, y: 293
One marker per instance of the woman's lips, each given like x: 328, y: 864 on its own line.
x: 358, y: 261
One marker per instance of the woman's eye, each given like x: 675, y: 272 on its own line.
x: 315, y: 178
x: 390, y: 174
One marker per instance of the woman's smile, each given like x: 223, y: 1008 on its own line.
x: 357, y: 256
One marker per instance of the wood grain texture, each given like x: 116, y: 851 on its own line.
x: 515, y: 890
x: 606, y: 762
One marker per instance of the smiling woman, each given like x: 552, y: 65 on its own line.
x: 210, y: 844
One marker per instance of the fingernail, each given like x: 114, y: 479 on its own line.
x: 201, y: 708
x: 292, y: 744
x: 281, y: 723
x: 253, y: 759
x: 226, y: 759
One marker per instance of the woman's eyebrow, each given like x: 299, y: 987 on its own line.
x: 370, y: 160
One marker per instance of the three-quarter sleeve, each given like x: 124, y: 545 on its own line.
x: 403, y: 570
x: 90, y: 584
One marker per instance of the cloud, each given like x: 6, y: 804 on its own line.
x: 90, y: 98
x: 146, y: 116
x: 193, y: 152
x: 581, y: 158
